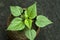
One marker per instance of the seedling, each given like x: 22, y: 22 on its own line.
x: 24, y: 19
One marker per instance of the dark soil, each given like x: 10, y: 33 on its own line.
x: 49, y: 8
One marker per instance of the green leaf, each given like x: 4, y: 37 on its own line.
x: 31, y: 39
x: 28, y: 23
x: 16, y: 24
x: 16, y: 10
x: 30, y: 34
x: 32, y: 11
x: 42, y: 21
x: 26, y: 15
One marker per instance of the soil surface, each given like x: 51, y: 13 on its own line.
x: 48, y: 8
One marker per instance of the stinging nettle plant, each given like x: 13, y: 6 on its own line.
x: 24, y: 19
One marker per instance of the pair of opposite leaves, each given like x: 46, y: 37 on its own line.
x: 31, y: 13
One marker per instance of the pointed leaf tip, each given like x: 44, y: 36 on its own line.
x: 42, y: 21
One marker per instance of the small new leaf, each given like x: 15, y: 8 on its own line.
x: 30, y: 34
x: 32, y: 11
x: 42, y: 21
x: 16, y: 10
x: 26, y: 15
x: 16, y: 25
x: 28, y: 23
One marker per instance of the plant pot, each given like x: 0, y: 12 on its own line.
x: 19, y: 35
